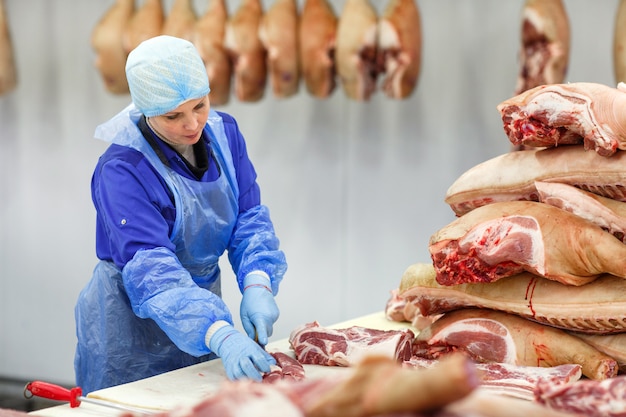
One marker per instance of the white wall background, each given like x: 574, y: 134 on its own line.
x: 355, y: 189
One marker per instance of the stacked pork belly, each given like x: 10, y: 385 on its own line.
x: 533, y: 270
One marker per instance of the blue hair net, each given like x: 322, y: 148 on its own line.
x: 163, y: 72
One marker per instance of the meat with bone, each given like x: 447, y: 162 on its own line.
x: 356, y: 49
x: 181, y: 20
x: 278, y: 31
x: 400, y: 47
x: 595, y: 308
x: 247, y: 53
x: 317, y: 37
x: 613, y: 345
x: 619, y: 43
x: 545, y: 37
x: 560, y: 114
x: 606, y: 213
x: 589, y: 398
x: 494, y: 336
x: 318, y: 345
x: 506, y: 238
x: 512, y: 176
x: 511, y: 380
x: 107, y: 42
x: 145, y: 23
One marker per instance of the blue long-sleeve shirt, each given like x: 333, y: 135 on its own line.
x: 126, y: 186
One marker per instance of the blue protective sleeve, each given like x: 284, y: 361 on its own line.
x: 255, y: 247
x: 160, y: 288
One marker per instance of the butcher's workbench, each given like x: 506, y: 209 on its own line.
x: 189, y: 385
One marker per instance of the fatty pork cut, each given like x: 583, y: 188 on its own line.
x: 506, y: 238
x: 400, y: 47
x: 494, y: 336
x: 566, y: 114
x: 356, y: 49
x: 512, y: 176
x: 248, y: 56
x: 181, y: 20
x: 595, y: 308
x: 278, y: 31
x: 317, y: 37
x: 146, y: 22
x: 619, y: 43
x: 545, y: 44
x: 604, y: 212
x: 107, y: 42
x: 209, y: 40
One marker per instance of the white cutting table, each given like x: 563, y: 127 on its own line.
x: 189, y: 385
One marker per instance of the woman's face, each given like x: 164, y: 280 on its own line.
x: 184, y: 124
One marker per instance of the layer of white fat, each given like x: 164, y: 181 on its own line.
x: 357, y: 351
x: 498, y: 231
x: 573, y: 200
x: 387, y: 35
x: 475, y: 325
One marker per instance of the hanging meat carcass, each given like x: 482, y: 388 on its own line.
x: 400, y: 48
x: 545, y: 44
x: 357, y: 34
x: 107, y: 43
x: 278, y: 31
x: 8, y: 69
x: 181, y: 20
x: 209, y: 40
x: 146, y: 22
x: 317, y: 37
x: 248, y: 56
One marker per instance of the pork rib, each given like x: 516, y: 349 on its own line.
x: 595, y: 308
x: 494, y: 336
x: 545, y: 37
x: 506, y: 238
x: 512, y: 176
x: 317, y: 345
x: 574, y: 113
x: 606, y: 213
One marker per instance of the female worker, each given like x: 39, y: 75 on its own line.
x: 173, y: 192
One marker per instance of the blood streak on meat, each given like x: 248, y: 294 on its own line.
x: 314, y: 344
x: 530, y: 290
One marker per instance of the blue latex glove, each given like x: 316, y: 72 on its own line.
x: 258, y: 308
x: 241, y: 356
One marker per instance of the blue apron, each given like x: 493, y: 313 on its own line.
x: 116, y: 346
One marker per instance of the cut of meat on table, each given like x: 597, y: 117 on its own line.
x: 247, y: 53
x: 107, y: 43
x: 400, y: 47
x: 562, y: 114
x: 317, y: 37
x: 380, y: 387
x: 511, y: 380
x: 286, y: 368
x: 619, y: 43
x: 512, y: 176
x: 545, y: 36
x: 146, y: 22
x: 278, y: 31
x: 318, y: 345
x: 613, y: 345
x: 181, y: 20
x: 503, y: 239
x: 356, y: 49
x: 209, y: 35
x: 495, y: 336
x: 595, y: 308
x: 589, y: 398
x: 397, y: 309
x: 606, y: 213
